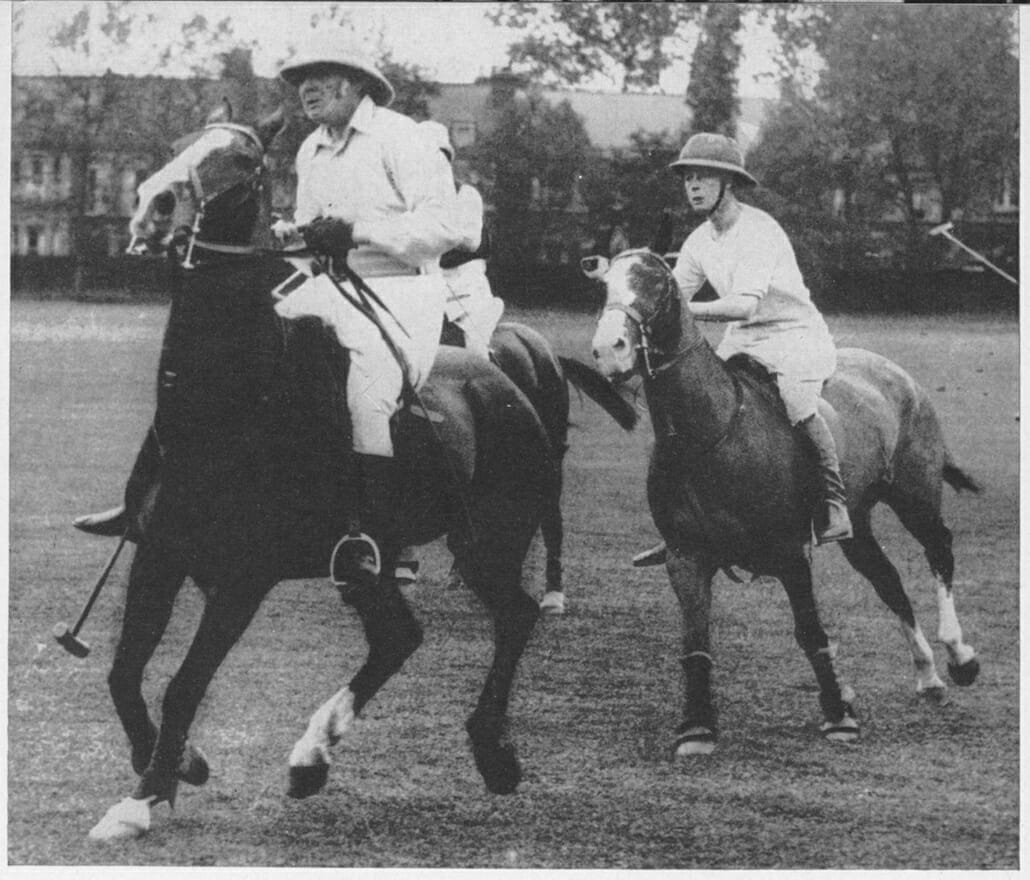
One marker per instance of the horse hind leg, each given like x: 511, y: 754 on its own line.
x: 923, y: 521
x: 866, y: 556
x: 492, y: 567
x: 552, y: 528
x: 393, y: 635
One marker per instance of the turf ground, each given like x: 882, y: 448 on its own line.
x: 596, y: 699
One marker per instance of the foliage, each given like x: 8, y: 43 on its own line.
x: 712, y: 92
x: 915, y: 95
x: 569, y: 43
x: 532, y: 159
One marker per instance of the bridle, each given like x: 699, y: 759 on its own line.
x: 254, y: 180
x: 644, y: 324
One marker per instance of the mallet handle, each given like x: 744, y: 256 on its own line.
x: 100, y: 583
x: 980, y: 257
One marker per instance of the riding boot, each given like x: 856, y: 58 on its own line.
x: 118, y: 520
x: 357, y: 560
x: 833, y: 524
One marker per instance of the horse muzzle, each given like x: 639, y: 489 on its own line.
x: 613, y: 348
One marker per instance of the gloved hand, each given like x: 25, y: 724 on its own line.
x: 329, y: 236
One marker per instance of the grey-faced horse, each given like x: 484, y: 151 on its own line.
x: 729, y: 485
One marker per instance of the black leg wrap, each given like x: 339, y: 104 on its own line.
x: 699, y: 709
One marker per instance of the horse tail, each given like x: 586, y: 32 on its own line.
x: 958, y: 479
x: 600, y: 390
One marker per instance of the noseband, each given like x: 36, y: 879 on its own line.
x: 663, y: 305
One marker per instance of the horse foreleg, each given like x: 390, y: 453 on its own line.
x: 393, y: 634
x: 224, y: 620
x: 691, y: 579
x: 839, y: 723
x: 154, y: 582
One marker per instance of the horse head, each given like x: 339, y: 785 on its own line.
x: 211, y: 190
x: 643, y: 322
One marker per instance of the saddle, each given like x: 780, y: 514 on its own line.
x: 755, y: 375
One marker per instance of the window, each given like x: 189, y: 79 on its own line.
x: 37, y: 170
x: 463, y: 133
x: 15, y: 239
x: 35, y: 235
x: 57, y: 170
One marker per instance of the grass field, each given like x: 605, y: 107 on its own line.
x: 928, y: 787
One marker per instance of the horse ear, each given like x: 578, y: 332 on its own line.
x: 270, y: 126
x: 221, y: 113
x: 618, y: 241
x: 594, y: 267
x: 662, y: 241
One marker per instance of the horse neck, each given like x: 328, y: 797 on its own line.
x: 221, y: 348
x: 692, y: 395
x: 244, y: 223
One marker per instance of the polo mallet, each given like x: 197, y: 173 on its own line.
x: 945, y: 230
x: 69, y: 638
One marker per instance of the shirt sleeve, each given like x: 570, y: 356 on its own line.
x: 470, y: 217
x: 429, y: 226
x: 688, y: 272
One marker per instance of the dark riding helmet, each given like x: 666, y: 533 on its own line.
x: 714, y: 151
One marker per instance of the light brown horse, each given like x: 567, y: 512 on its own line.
x: 729, y: 485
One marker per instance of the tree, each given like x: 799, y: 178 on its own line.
x: 569, y: 43
x: 920, y: 93
x: 712, y: 92
x: 532, y: 160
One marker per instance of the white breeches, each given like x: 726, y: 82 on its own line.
x: 801, y: 360
x: 375, y: 380
x: 471, y: 304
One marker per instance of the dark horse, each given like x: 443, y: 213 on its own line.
x: 250, y: 432
x: 729, y: 485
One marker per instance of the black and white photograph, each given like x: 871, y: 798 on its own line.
x: 524, y: 436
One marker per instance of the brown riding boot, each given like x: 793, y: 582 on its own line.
x: 357, y: 559
x: 834, y: 524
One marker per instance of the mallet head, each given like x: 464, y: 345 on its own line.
x: 69, y: 641
x: 943, y: 228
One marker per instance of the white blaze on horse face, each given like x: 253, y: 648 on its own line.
x: 614, y: 344
x: 175, y: 178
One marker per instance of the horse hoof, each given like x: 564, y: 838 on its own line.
x: 499, y: 768
x: 844, y: 730
x: 193, y: 769
x: 938, y: 695
x: 695, y: 741
x: 552, y: 604
x: 126, y: 820
x: 964, y: 674
x: 306, y: 781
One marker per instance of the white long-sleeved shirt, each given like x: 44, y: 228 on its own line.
x: 755, y: 258
x: 381, y: 178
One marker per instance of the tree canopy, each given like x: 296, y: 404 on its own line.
x: 570, y: 43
